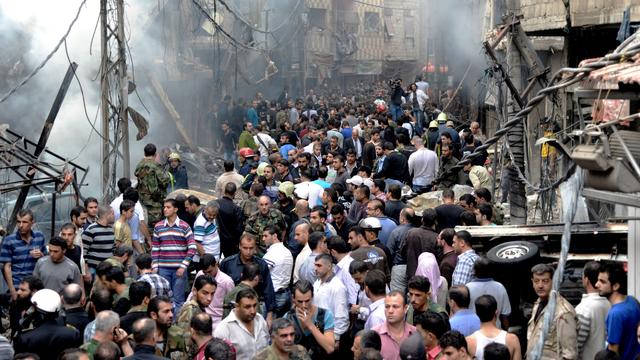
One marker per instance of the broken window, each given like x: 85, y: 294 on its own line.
x: 318, y: 18
x: 371, y: 22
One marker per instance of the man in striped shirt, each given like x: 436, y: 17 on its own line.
x: 98, y: 239
x: 172, y: 248
x: 20, y: 251
x: 205, y: 231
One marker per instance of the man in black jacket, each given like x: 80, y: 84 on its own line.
x: 230, y: 220
x: 48, y: 338
x: 355, y: 142
x: 73, y: 300
x: 144, y: 334
x: 394, y: 167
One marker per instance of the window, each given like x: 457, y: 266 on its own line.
x: 409, y: 27
x: 317, y: 18
x: 371, y: 22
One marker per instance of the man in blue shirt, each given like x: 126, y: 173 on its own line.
x: 624, y: 315
x: 462, y: 319
x: 20, y: 251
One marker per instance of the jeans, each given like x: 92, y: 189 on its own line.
x: 283, y: 303
x: 398, y: 278
x: 420, y: 189
x: 178, y: 286
x: 389, y: 182
x: 396, y: 111
x: 419, y: 115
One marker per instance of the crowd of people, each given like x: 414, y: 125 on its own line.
x: 309, y: 251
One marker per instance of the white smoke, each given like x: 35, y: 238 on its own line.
x: 42, y: 24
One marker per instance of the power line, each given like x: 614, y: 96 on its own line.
x: 380, y: 6
x: 222, y: 31
x: 248, y: 24
x: 46, y: 60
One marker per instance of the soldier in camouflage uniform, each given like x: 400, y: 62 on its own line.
x: 173, y: 341
x: 203, y: 288
x: 266, y: 215
x: 152, y: 184
x: 200, y: 298
x: 283, y: 337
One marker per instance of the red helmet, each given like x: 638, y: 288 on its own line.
x: 245, y: 152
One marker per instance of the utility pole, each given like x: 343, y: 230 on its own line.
x: 114, y: 86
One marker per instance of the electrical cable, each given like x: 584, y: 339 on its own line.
x: 46, y: 60
x: 236, y: 43
x: 248, y: 24
x: 561, y: 79
x: 379, y: 6
x: 572, y: 190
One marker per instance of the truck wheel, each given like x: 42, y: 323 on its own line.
x: 513, y: 252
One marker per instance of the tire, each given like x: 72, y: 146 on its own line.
x: 513, y: 252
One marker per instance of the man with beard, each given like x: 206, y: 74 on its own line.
x: 28, y: 286
x: 561, y: 339
x: 282, y: 343
x: 170, y: 339
x: 56, y: 270
x: 624, y: 315
x: 203, y: 289
x: 244, y: 316
x: 313, y: 325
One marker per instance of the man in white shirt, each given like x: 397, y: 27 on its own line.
x: 280, y: 263
x: 591, y: 313
x: 318, y: 246
x: 308, y: 190
x: 301, y: 236
x: 330, y: 293
x: 264, y: 142
x: 375, y: 288
x: 244, y: 327
x: 423, y: 165
x: 339, y: 249
x: 230, y: 175
x: 205, y: 232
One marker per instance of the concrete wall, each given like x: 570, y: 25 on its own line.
x: 402, y: 43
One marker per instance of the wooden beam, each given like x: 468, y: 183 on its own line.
x: 164, y: 98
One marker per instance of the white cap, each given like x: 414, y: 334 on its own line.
x: 46, y: 300
x: 357, y: 180
x: 370, y: 223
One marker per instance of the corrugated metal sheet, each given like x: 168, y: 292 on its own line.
x: 627, y: 72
